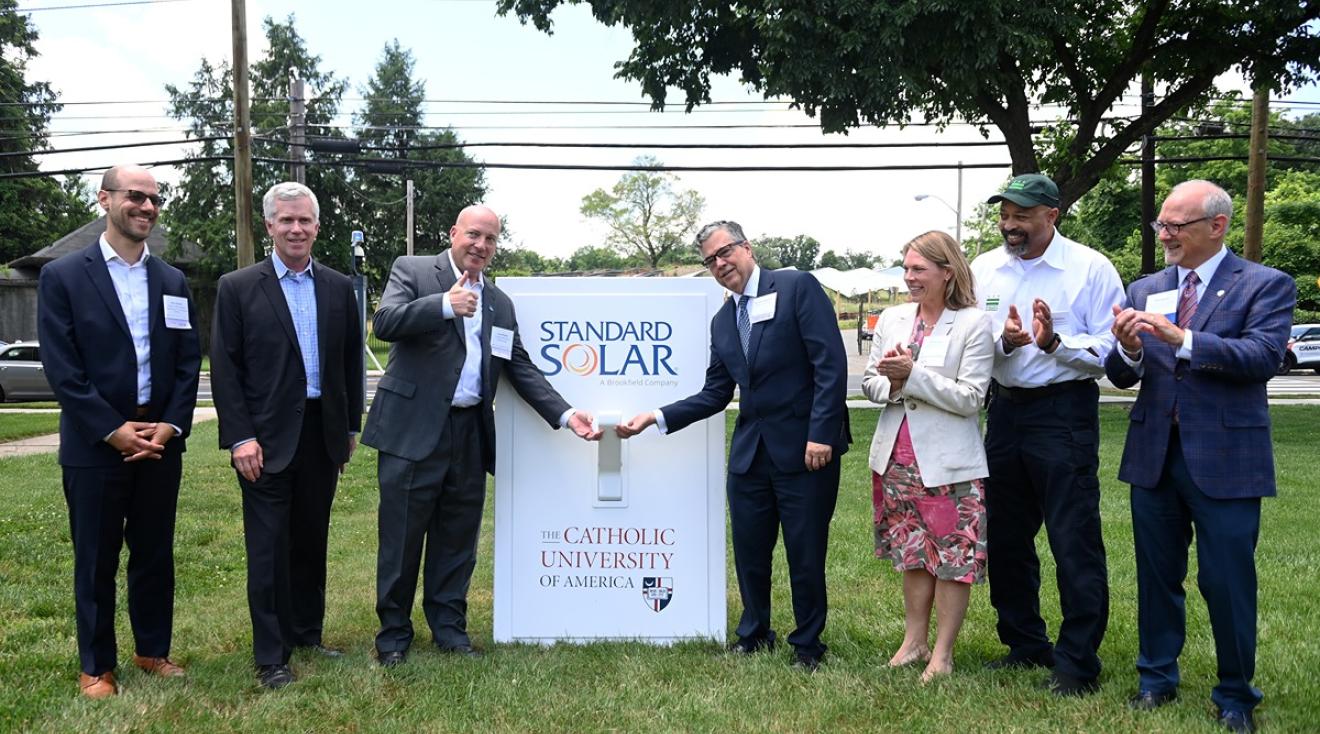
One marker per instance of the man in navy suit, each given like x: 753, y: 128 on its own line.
x: 119, y: 346
x: 1202, y: 337
x: 286, y: 374
x: 778, y: 341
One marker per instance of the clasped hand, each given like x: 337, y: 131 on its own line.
x: 138, y: 440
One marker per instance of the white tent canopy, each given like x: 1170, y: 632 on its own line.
x: 853, y: 283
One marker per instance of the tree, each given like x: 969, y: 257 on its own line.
x: 389, y: 127
x: 600, y: 258
x: 1108, y: 217
x: 850, y: 260
x: 646, y: 214
x: 34, y: 211
x: 799, y: 252
x: 989, y: 62
x: 203, y: 206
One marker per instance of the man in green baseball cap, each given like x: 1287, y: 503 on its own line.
x: 1028, y: 190
x: 1051, y: 300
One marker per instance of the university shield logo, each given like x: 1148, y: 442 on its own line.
x: 657, y: 591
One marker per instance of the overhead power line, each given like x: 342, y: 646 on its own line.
x: 98, y: 5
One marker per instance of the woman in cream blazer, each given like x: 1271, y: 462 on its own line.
x: 929, y: 368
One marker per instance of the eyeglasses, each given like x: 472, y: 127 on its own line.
x: 139, y: 198
x: 722, y: 254
x: 1174, y: 228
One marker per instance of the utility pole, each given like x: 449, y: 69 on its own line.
x: 242, y: 139
x: 958, y: 226
x: 1147, y: 181
x: 410, y: 216
x: 1256, y: 160
x: 297, y: 129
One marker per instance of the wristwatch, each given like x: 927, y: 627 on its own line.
x: 1053, y: 344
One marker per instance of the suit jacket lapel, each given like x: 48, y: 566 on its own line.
x: 155, y: 293
x: 269, y: 284
x: 906, y: 317
x: 1230, y: 269
x: 767, y: 286
x: 446, y: 277
x: 99, y: 274
x: 323, y: 323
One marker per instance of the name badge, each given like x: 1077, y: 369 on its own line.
x: 1163, y: 303
x: 176, y: 313
x: 934, y: 351
x: 762, y: 308
x: 501, y: 342
x: 992, y: 303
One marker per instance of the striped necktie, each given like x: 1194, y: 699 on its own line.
x: 744, y: 325
x: 1187, y: 300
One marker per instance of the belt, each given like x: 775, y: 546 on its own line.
x: 141, y: 411
x: 461, y: 408
x: 1028, y: 394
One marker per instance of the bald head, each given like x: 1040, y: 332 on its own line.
x: 474, y: 235
x: 1196, y: 216
x: 113, y: 177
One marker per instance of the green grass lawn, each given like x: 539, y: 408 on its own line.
x: 14, y: 426
x: 620, y: 687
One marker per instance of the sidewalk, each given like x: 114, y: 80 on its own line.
x: 51, y: 443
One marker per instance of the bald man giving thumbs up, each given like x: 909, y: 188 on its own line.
x: 452, y: 333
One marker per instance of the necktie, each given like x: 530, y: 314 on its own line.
x: 1187, y: 300
x: 744, y: 325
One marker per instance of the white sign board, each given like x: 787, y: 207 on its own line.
x: 615, y: 540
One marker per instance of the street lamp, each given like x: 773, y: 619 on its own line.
x: 956, y: 212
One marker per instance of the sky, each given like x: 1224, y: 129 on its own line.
x: 463, y: 50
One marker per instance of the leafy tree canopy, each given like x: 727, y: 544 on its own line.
x: 389, y: 128
x: 36, y: 211
x: 799, y: 252
x: 992, y: 62
x: 647, y: 215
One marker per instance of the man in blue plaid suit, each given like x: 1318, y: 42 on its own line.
x: 1202, y: 337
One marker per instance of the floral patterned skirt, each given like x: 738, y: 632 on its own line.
x: 939, y: 529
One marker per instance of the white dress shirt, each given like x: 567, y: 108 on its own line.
x: 468, y: 392
x: 1081, y: 287
x: 130, y: 282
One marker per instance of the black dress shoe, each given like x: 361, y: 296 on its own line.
x: 1151, y: 700
x: 1013, y: 661
x: 1062, y: 684
x: 1240, y: 721
x: 274, y: 677
x: 465, y: 651
x: 807, y: 661
x: 323, y: 651
x: 391, y: 659
x: 749, y: 645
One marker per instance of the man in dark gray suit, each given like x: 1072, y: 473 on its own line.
x: 452, y: 333
x: 286, y: 375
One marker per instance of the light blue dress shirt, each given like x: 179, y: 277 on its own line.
x: 300, y: 293
x: 130, y: 282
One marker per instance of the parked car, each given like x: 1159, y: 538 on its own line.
x: 21, y: 375
x: 1303, y: 349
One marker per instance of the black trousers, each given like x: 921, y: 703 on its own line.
x: 802, y: 503
x: 1043, y: 451
x: 109, y: 506
x: 436, y: 504
x: 286, y: 525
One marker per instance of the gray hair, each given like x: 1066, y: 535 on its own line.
x: 733, y: 228
x: 288, y: 191
x: 1216, y: 201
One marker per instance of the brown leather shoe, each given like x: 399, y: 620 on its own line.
x: 98, y: 686
x: 164, y: 667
